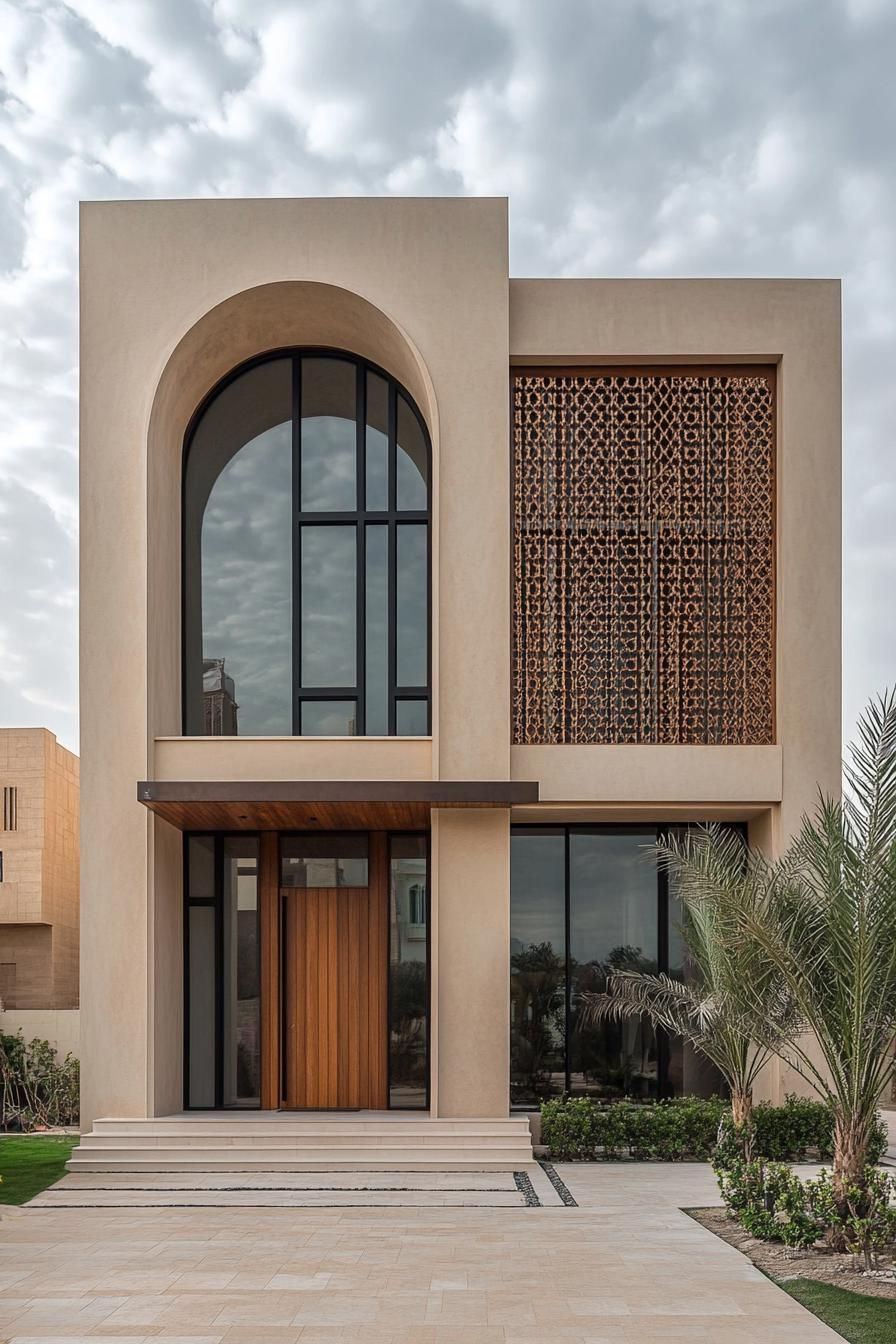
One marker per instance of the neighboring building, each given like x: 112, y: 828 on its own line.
x: 507, y: 576
x: 219, y: 700
x: 38, y: 872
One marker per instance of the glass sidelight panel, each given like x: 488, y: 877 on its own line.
x: 613, y: 927
x: 222, y: 971
x: 329, y: 443
x: 408, y: 977
x: 329, y: 566
x: 241, y: 971
x: 202, y: 1045
x: 537, y: 966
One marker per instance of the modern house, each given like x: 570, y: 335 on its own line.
x: 38, y: 880
x: 416, y: 602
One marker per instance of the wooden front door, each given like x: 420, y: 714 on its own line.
x: 334, y: 980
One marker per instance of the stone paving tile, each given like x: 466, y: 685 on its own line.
x: 624, y: 1265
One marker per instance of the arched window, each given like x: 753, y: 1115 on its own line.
x: 306, y: 554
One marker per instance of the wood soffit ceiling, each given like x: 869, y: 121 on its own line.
x: 321, y: 804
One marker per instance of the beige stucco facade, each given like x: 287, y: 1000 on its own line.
x: 174, y: 295
x: 39, y: 834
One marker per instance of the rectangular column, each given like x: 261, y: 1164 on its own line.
x: 471, y: 948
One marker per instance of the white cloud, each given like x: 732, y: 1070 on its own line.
x: 698, y: 137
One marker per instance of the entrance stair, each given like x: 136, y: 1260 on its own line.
x: 222, y: 1141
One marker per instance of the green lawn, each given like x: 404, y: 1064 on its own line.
x: 859, y: 1319
x: 29, y: 1165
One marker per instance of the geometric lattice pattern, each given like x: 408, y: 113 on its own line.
x: 644, y: 557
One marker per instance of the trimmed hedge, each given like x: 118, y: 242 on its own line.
x: 685, y: 1129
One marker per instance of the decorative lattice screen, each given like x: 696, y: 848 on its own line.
x: 643, y: 605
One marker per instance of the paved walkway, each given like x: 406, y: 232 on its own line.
x: 624, y: 1265
x: 323, y: 1189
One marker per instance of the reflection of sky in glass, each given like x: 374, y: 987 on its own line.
x: 410, y: 463
x: 377, y: 442
x: 329, y: 465
x: 377, y: 636
x: 328, y: 605
x: 246, y: 542
x: 537, y: 903
x: 613, y: 894
x: 329, y: 718
x: 411, y: 718
x: 411, y: 599
x: 247, y: 580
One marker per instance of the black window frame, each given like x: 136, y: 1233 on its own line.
x: 661, y: 830
x: 391, y: 518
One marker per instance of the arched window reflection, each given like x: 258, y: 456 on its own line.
x: 306, y: 554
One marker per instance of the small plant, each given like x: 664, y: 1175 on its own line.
x: 36, y: 1089
x: 862, y: 1218
x: 770, y: 1202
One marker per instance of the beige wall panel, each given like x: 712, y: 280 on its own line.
x: 471, y: 892
x: 295, y: 758
x: 652, y: 775
x: 167, y: 942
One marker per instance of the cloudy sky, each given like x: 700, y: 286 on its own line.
x: 633, y: 137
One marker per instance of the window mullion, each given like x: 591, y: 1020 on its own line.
x: 296, y: 544
x: 361, y: 551
x: 391, y: 562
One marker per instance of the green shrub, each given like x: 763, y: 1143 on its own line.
x: 772, y: 1203
x: 864, y: 1222
x: 689, y: 1129
x: 569, y: 1128
x: 683, y: 1130
x: 36, y: 1089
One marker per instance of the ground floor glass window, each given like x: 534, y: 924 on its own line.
x: 586, y: 901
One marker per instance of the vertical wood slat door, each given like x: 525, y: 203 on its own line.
x: 334, y: 1004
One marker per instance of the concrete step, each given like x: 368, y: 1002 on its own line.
x: 218, y: 1142
x: 205, y: 1139
x: 335, y: 1160
x: 208, y: 1124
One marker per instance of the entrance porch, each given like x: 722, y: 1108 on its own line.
x: 342, y: 962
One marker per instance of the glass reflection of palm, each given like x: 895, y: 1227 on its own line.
x: 613, y: 1058
x: 537, y: 977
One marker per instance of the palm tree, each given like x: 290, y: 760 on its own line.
x: 822, y: 920
x: 703, y: 1009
